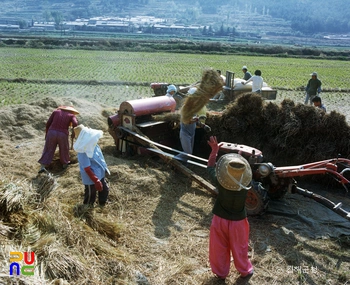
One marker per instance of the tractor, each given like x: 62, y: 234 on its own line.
x: 271, y: 182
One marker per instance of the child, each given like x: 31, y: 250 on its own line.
x: 92, y: 164
x: 229, y: 230
x: 318, y: 103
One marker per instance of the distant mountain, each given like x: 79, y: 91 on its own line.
x: 280, y: 16
x: 310, y: 16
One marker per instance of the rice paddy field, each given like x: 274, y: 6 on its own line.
x: 154, y: 229
x: 110, y: 66
x: 110, y: 76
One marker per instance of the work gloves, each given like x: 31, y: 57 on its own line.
x: 213, y: 143
x: 94, y: 178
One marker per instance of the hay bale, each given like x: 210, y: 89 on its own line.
x: 211, y: 84
x: 14, y: 195
x: 5, y: 230
x: 46, y: 183
x: 104, y: 226
x: 60, y: 262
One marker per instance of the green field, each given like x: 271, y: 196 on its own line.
x: 81, y: 73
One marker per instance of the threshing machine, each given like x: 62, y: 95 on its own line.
x: 134, y: 131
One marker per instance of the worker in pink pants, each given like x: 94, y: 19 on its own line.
x: 229, y: 230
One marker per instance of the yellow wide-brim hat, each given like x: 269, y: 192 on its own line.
x: 69, y: 109
x: 233, y: 172
x: 77, y: 130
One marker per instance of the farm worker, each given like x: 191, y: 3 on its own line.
x: 247, y: 74
x: 188, y: 130
x: 220, y: 95
x: 257, y: 80
x: 57, y: 133
x: 318, y: 103
x: 171, y: 90
x: 313, y: 88
x: 223, y: 77
x: 229, y: 229
x: 92, y: 164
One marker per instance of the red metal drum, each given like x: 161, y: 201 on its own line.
x: 148, y: 106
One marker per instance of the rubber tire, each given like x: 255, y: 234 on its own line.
x: 257, y: 199
x: 279, y: 191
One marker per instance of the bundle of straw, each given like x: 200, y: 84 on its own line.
x: 168, y: 117
x: 210, y: 84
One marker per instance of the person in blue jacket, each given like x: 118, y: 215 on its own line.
x: 92, y: 164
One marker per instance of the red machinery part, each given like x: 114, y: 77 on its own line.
x: 142, y: 107
x: 244, y: 150
x: 114, y: 120
x: 318, y: 167
x: 157, y: 85
x: 147, y: 106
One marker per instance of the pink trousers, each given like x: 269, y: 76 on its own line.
x: 228, y: 237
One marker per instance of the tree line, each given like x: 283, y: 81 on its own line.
x: 171, y: 45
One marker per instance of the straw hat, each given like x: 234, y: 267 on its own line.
x: 78, y: 129
x: 69, y: 109
x: 233, y: 172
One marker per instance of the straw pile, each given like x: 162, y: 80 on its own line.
x: 288, y: 133
x: 210, y: 84
x: 67, y: 248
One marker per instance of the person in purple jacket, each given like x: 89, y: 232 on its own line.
x: 57, y: 134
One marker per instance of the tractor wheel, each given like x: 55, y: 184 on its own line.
x: 257, y: 199
x: 279, y: 191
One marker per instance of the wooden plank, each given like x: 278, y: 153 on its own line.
x: 174, y: 162
x: 144, y: 139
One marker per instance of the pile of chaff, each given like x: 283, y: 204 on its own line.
x: 287, y: 134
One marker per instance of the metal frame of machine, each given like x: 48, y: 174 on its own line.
x: 134, y: 131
